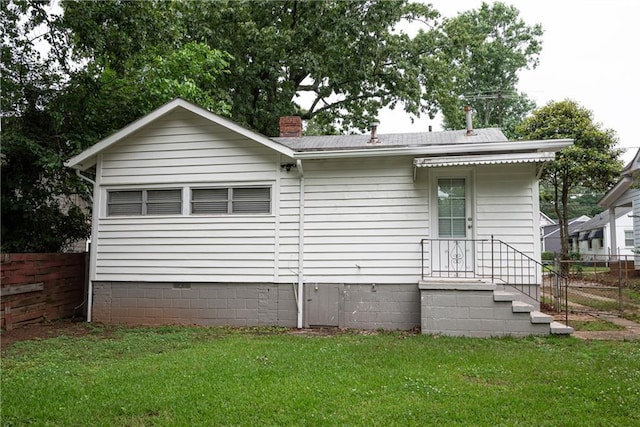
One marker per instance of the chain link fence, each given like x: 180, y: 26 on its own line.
x: 594, y: 285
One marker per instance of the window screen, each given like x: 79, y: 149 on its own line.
x: 250, y: 200
x: 164, y: 202
x: 120, y: 203
x: 209, y: 201
x: 234, y: 200
x: 144, y: 202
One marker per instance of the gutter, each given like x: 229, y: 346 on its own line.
x: 301, y: 226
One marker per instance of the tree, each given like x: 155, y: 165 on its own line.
x: 99, y: 100
x: 591, y: 163
x: 335, y: 62
x: 37, y: 213
x: 488, y: 47
x: 581, y: 202
x: 52, y: 111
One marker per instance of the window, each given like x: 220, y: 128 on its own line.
x: 235, y: 200
x: 144, y: 202
x: 451, y: 207
x: 628, y: 238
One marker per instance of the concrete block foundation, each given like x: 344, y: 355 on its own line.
x: 359, y: 306
x: 473, y: 308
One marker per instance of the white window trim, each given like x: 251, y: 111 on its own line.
x: 186, y: 198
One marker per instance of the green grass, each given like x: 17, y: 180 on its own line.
x: 595, y: 325
x: 266, y: 377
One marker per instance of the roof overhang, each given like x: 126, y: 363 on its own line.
x: 447, y: 150
x: 88, y: 157
x: 486, y: 159
x: 609, y: 200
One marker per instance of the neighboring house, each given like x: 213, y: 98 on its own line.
x: 592, y: 239
x: 626, y: 194
x: 551, y: 234
x: 198, y: 220
x: 545, y: 220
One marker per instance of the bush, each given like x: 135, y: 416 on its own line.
x: 547, y: 256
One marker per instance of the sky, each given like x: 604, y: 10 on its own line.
x: 589, y: 54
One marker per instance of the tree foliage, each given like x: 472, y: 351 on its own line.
x: 581, y: 202
x: 490, y: 46
x: 335, y: 63
x: 336, y: 60
x: 52, y: 111
x: 37, y: 215
x: 591, y: 163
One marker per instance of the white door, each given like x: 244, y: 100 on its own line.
x: 452, y: 250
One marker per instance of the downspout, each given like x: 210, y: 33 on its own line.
x: 89, y: 180
x: 91, y: 248
x: 300, y: 246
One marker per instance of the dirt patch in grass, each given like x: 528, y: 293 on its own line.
x: 601, y: 326
x: 45, y: 330
x: 78, y: 327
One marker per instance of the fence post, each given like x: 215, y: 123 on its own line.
x: 620, y: 293
x: 556, y: 284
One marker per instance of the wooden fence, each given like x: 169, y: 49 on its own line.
x: 38, y: 287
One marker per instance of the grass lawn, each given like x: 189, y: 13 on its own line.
x: 595, y: 325
x: 175, y: 376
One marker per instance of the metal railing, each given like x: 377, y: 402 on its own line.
x: 489, y: 259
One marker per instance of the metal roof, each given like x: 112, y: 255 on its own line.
x: 486, y: 159
x: 392, y: 140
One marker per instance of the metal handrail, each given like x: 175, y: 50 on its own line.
x: 489, y: 258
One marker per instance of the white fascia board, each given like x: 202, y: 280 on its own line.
x: 609, y: 199
x: 537, y: 146
x: 87, y: 158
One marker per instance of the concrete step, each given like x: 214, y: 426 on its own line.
x: 503, y: 296
x: 539, y: 317
x: 558, y: 328
x: 521, y: 307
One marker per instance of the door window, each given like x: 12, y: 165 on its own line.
x: 451, y: 207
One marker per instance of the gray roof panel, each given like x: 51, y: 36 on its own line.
x: 392, y: 140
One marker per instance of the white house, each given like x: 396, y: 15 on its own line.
x: 592, y: 238
x: 199, y: 220
x: 625, y: 194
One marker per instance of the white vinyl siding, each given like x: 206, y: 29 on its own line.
x: 184, y: 148
x: 364, y: 219
x: 289, y: 221
x: 182, y: 151
x: 505, y: 205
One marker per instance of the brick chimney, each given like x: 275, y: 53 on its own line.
x: 290, y: 126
